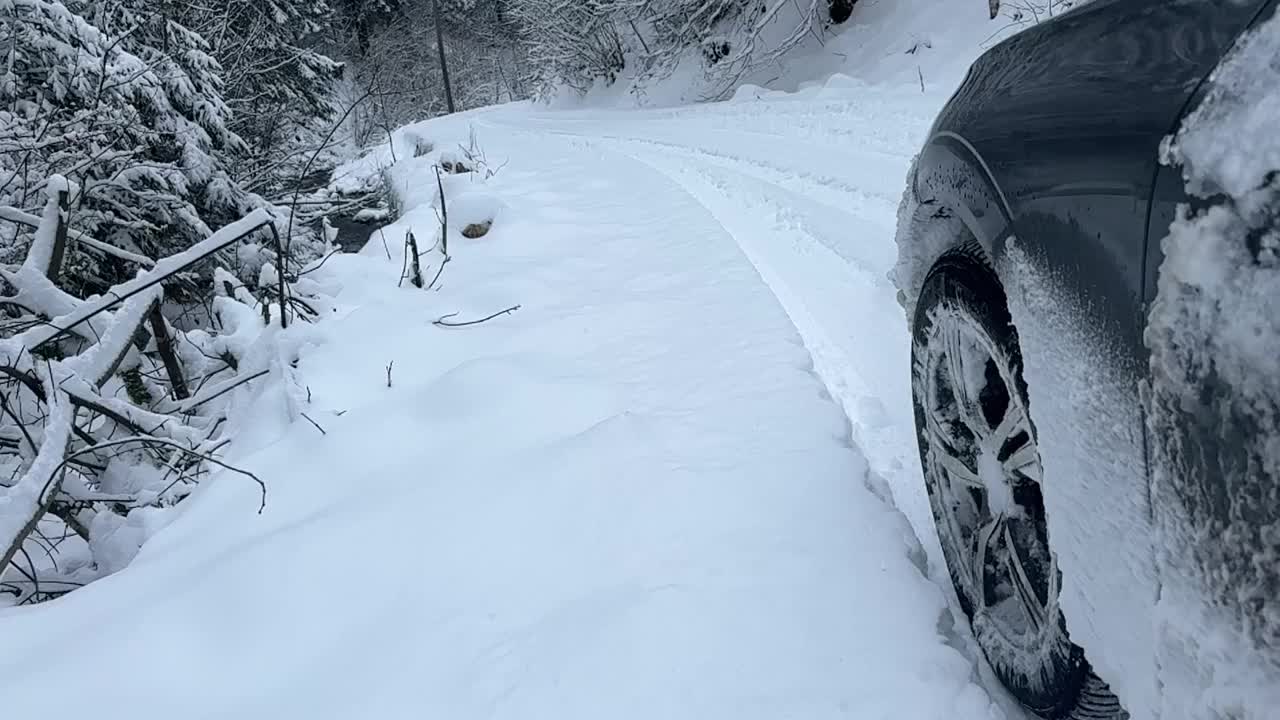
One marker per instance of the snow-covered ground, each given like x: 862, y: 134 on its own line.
x: 678, y: 481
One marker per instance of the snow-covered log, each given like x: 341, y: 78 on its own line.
x: 16, y: 216
x: 221, y: 240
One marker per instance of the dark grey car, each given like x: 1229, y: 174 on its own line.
x: 1084, y: 497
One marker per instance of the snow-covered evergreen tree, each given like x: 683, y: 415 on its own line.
x: 358, y: 20
x: 128, y: 103
x: 277, y: 84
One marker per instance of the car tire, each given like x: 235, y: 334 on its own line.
x: 983, y: 475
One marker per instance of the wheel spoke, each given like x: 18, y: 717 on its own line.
x: 938, y: 428
x: 1022, y: 583
x: 1013, y: 423
x: 967, y: 408
x: 1055, y: 580
x: 985, y: 533
x: 958, y: 471
x: 1024, y: 461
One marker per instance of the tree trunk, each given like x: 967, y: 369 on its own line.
x: 168, y: 354
x: 444, y: 65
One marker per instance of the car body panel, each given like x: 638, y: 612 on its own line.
x: 1168, y: 189
x: 1047, y: 141
x: 1050, y: 147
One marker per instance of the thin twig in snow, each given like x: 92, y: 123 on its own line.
x: 313, y: 422
x: 384, y: 245
x: 443, y: 322
x: 439, y: 272
x: 324, y: 260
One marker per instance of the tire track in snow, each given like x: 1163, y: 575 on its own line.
x: 814, y: 170
x: 838, y: 307
x: 875, y: 123
x: 845, y: 313
x: 827, y: 285
x: 794, y: 227
x: 839, y: 300
x: 858, y: 232
x: 822, y: 244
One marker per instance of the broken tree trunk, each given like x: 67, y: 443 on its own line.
x: 59, y: 249
x: 168, y: 354
x: 415, y: 264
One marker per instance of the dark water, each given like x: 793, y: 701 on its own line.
x: 352, y: 235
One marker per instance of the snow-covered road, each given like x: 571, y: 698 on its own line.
x: 807, y: 186
x: 667, y: 486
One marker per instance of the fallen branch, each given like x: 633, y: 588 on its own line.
x: 167, y: 267
x: 28, y: 499
x: 168, y: 353
x: 443, y: 322
x: 144, y: 439
x: 216, y: 391
x: 18, y: 217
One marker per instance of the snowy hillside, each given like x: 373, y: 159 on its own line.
x: 910, y: 42
x: 642, y: 450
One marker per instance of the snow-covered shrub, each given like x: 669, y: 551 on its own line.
x: 109, y: 415
x: 1029, y: 12
x: 577, y: 45
x: 475, y: 212
x: 574, y: 44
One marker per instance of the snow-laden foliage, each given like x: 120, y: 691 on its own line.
x: 574, y: 44
x: 1214, y: 411
x: 129, y: 99
x: 129, y: 105
x: 278, y: 86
